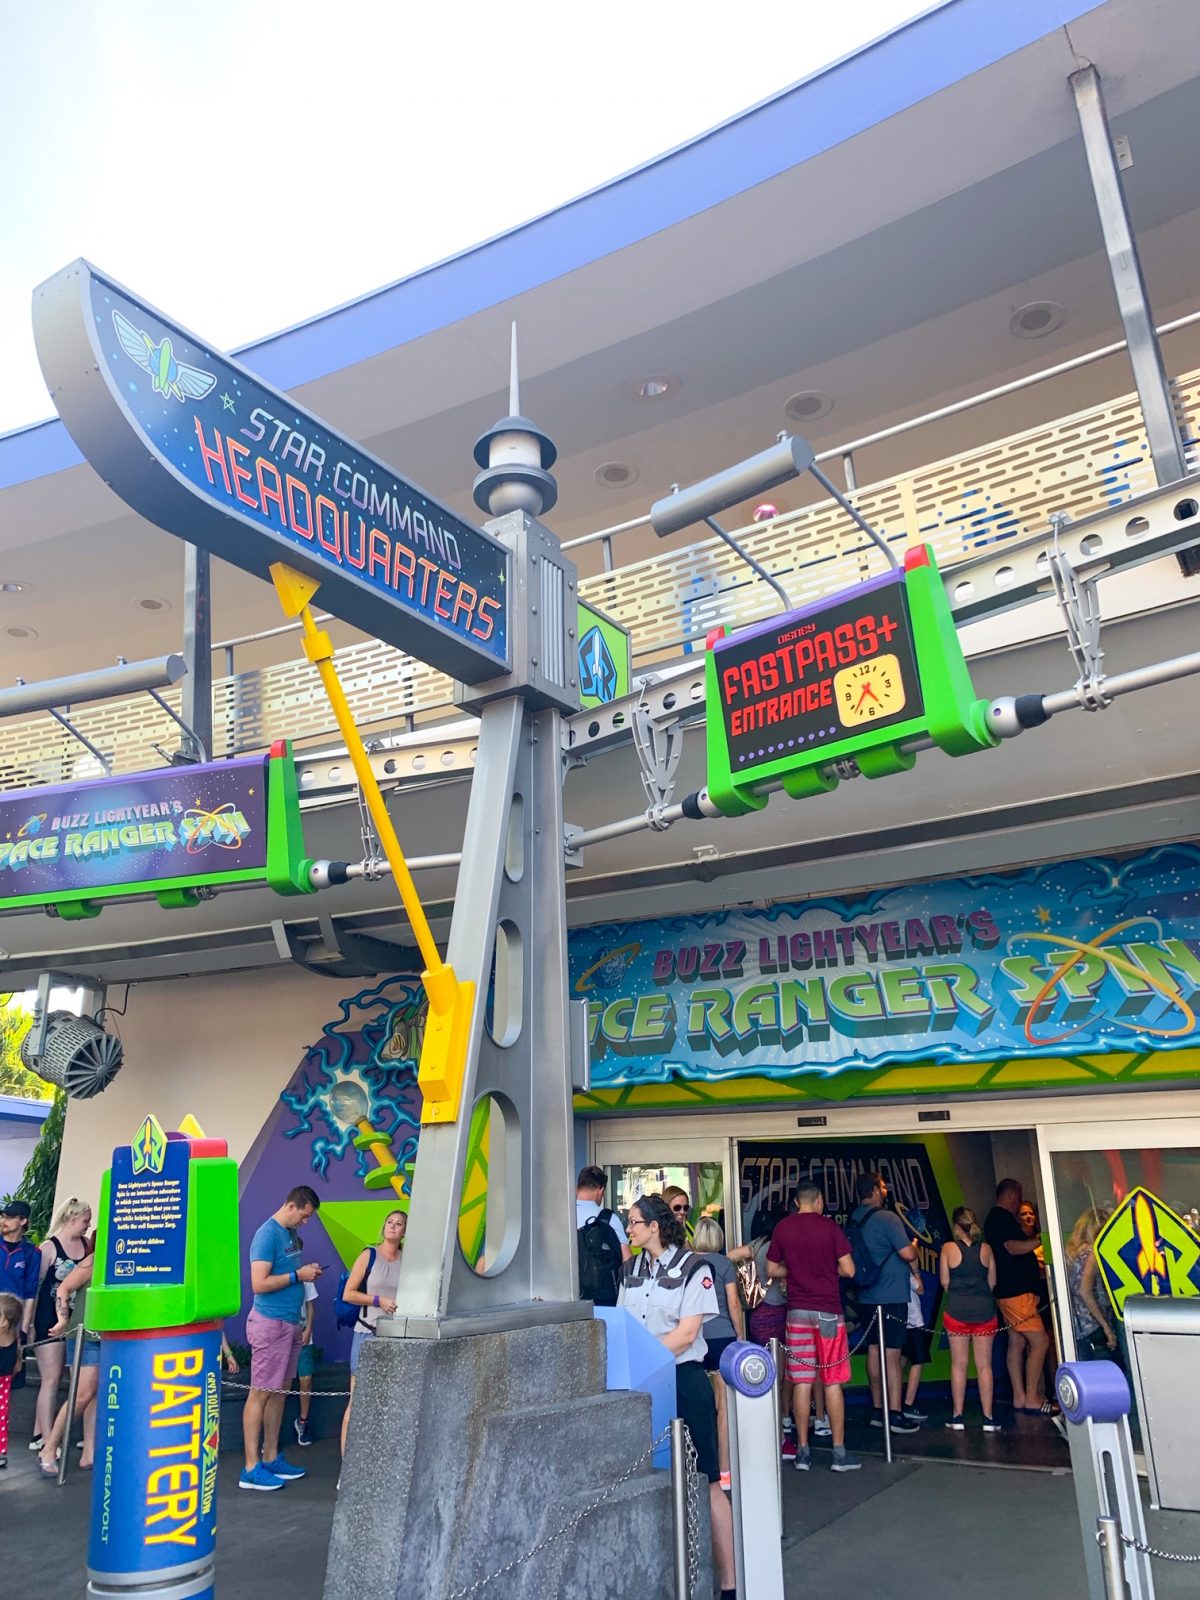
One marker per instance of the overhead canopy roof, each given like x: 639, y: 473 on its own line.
x: 866, y: 233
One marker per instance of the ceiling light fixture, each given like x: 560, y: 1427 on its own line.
x: 655, y: 388
x: 1036, y: 320
x: 19, y: 631
x: 810, y: 405
x: 10, y: 586
x: 615, y: 474
x: 150, y: 602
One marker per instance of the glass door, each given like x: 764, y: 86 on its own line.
x: 1123, y: 1202
x: 649, y: 1166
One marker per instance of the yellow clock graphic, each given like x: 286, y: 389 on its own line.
x: 868, y: 691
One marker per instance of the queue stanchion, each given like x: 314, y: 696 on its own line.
x: 1095, y: 1400
x: 679, y: 1507
x: 750, y: 1377
x: 776, y: 1349
x: 166, y: 1276
x: 64, y: 1449
x: 883, y: 1387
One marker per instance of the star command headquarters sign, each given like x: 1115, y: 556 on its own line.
x: 1144, y: 1248
x: 196, y: 444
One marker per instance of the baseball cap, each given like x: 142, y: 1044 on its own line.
x: 15, y: 1208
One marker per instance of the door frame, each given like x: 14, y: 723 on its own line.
x: 1166, y: 1132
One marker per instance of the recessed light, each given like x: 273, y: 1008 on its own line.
x: 149, y: 602
x: 655, y: 388
x: 19, y: 631
x: 616, y: 473
x: 1036, y: 320
x: 10, y: 586
x: 808, y: 406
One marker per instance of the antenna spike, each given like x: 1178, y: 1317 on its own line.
x: 514, y: 382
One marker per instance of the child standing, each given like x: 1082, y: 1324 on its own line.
x: 306, y: 1365
x: 11, y: 1311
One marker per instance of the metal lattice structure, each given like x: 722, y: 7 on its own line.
x: 965, y: 506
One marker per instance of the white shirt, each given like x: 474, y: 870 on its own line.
x: 585, y: 1210
x: 661, y: 1293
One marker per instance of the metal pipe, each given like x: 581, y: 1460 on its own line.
x: 754, y: 565
x: 1108, y: 1537
x: 127, y: 677
x: 956, y: 407
x: 953, y: 409
x: 64, y: 1449
x: 453, y: 858
x: 270, y: 633
x: 87, y: 744
x: 883, y: 1388
x: 876, y: 539
x: 196, y: 704
x: 679, y: 1508
x: 1120, y: 243
x: 1126, y: 682
x: 848, y: 470
x: 776, y: 1348
x: 606, y: 533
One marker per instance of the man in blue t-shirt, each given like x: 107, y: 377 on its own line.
x: 885, y: 1240
x: 274, y: 1331
x: 20, y: 1262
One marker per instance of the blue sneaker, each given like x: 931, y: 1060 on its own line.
x: 282, y: 1468
x: 843, y: 1461
x: 260, y: 1478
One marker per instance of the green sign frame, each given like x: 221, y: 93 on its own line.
x: 794, y: 688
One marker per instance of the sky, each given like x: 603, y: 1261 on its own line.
x: 245, y: 166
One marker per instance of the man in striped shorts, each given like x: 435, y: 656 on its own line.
x: 812, y: 1253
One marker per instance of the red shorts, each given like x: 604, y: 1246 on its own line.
x: 817, y: 1347
x: 953, y: 1326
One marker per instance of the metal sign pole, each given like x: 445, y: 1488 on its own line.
x: 883, y: 1385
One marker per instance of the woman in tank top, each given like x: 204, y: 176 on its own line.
x: 373, y: 1283
x: 62, y: 1252
x: 967, y: 1270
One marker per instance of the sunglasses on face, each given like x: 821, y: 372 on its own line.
x: 680, y: 1210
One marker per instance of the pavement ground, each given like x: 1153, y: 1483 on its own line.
x: 919, y: 1529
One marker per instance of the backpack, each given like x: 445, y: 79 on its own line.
x: 347, y: 1315
x: 599, y: 1260
x: 867, y: 1269
x: 753, y: 1289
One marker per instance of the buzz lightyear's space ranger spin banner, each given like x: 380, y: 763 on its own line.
x: 1089, y: 956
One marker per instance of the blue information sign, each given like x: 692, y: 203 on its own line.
x: 195, y: 443
x: 147, y: 1210
x: 154, y: 1497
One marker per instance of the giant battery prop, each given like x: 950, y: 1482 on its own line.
x: 859, y: 676
x: 166, y: 1276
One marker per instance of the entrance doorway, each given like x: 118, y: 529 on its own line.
x: 927, y: 1176
x: 1068, y: 1153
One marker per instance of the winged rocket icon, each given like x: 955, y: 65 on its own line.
x: 173, y: 379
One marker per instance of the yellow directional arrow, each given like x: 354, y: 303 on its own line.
x: 451, y: 1002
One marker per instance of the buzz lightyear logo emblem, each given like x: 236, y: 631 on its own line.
x: 149, y: 1147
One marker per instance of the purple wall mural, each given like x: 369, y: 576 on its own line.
x: 364, y: 1066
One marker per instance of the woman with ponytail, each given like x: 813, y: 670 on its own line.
x: 967, y: 1269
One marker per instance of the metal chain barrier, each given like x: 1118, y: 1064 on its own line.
x: 323, y: 1394
x: 1158, y: 1555
x: 573, y: 1522
x: 690, y: 1463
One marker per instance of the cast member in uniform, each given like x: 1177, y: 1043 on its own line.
x: 671, y: 1291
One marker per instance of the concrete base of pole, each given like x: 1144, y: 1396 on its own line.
x: 466, y: 1453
